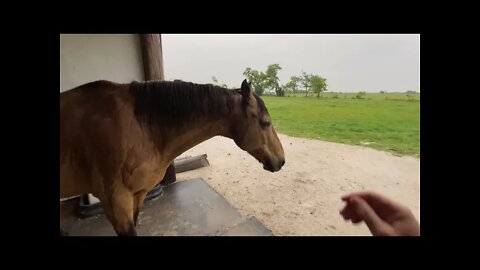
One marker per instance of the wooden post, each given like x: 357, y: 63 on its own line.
x: 153, y: 69
x: 152, y: 57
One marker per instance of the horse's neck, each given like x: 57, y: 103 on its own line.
x: 195, y: 133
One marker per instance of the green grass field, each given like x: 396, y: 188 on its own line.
x: 389, y: 122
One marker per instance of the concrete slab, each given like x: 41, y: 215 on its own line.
x: 249, y: 227
x: 187, y: 208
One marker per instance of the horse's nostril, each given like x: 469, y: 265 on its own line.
x: 283, y: 162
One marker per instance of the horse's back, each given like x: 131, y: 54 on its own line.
x: 85, y: 107
x: 90, y: 95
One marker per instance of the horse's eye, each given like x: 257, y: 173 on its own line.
x: 264, y: 124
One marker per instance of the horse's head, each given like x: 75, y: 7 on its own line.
x: 253, y: 131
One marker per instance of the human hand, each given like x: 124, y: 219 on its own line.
x: 383, y: 216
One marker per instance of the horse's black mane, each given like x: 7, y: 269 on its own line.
x: 178, y: 102
x: 175, y: 103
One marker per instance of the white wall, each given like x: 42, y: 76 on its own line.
x: 88, y: 57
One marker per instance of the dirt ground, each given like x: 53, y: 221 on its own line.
x: 303, y: 199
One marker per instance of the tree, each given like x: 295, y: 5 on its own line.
x: 292, y: 85
x: 257, y: 79
x: 271, y: 78
x: 318, y: 84
x: 269, y: 81
x: 305, y: 81
x: 264, y: 81
x: 315, y: 83
x: 280, y: 92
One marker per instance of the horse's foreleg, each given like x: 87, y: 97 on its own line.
x: 138, y: 201
x: 121, y: 203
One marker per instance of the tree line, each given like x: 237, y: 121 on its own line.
x: 268, y: 81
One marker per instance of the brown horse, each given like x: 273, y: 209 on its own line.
x: 117, y: 140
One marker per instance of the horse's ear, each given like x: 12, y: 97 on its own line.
x: 246, y: 92
x: 245, y: 89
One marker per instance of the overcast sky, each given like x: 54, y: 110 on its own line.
x: 350, y: 63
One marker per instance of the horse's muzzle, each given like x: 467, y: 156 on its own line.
x: 273, y: 164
